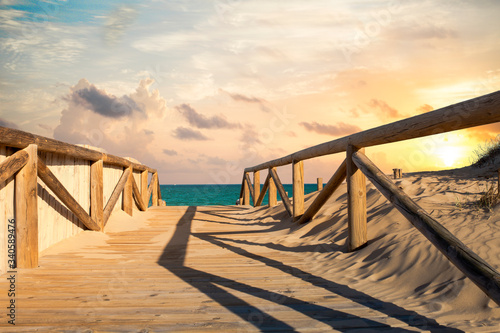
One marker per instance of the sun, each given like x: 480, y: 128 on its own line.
x: 450, y: 155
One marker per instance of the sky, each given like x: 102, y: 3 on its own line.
x: 200, y: 90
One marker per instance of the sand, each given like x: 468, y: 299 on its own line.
x: 119, y: 221
x: 399, y: 263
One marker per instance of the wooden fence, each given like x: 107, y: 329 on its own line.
x: 356, y: 167
x: 52, y: 190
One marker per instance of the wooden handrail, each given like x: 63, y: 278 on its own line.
x: 115, y: 195
x: 475, y: 268
x: 62, y: 193
x: 474, y: 112
x: 325, y: 194
x: 264, y: 190
x: 250, y: 187
x: 13, y: 164
x: 150, y: 189
x: 26, y: 165
x: 138, y: 196
x: 281, y: 190
x: 19, y: 139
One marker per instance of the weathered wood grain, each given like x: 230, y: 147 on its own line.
x: 128, y: 200
x: 356, y: 202
x: 319, y: 182
x: 298, y: 189
x: 144, y: 187
x: 273, y: 195
x: 66, y: 198
x: 264, y: 190
x: 246, y: 191
x: 155, y: 189
x: 96, y: 193
x: 27, y: 212
x: 150, y: 189
x: 138, y: 196
x: 13, y: 164
x: 332, y: 185
x: 115, y: 195
x: 256, y: 186
x: 281, y: 190
x: 250, y: 188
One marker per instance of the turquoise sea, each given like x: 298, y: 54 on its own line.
x: 209, y: 195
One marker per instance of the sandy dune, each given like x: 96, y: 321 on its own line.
x: 399, y: 263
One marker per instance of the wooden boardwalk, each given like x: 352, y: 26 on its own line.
x: 195, y: 269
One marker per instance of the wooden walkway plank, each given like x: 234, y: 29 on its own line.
x: 178, y: 272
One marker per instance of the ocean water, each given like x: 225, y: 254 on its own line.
x: 209, y: 195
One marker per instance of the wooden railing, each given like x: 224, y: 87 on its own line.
x: 356, y: 167
x: 51, y: 190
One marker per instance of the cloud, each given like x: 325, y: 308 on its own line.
x: 422, y: 30
x: 99, y: 101
x: 335, y: 130
x: 46, y: 127
x: 124, y: 130
x: 169, y: 42
x: 200, y: 121
x: 243, y: 98
x: 169, y: 152
x: 484, y: 133
x: 249, y: 99
x: 116, y: 24
x: 184, y: 133
x: 424, y: 108
x: 6, y: 123
x: 384, y: 108
x: 249, y: 137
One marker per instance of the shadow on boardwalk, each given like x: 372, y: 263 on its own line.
x: 173, y: 259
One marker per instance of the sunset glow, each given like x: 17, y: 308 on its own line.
x: 202, y: 89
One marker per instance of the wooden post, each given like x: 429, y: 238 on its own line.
x: 356, y: 202
x: 281, y: 191
x: 115, y: 195
x: 96, y: 193
x: 473, y: 266
x: 246, y: 191
x: 128, y: 199
x: 155, y: 189
x: 27, y: 212
x: 66, y: 198
x: 272, y: 194
x: 264, y: 190
x: 256, y: 186
x: 319, y: 181
x: 13, y: 164
x: 323, y: 196
x: 144, y: 187
x: 498, y: 181
x: 138, y: 197
x: 159, y: 189
x: 298, y: 189
x: 250, y: 188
